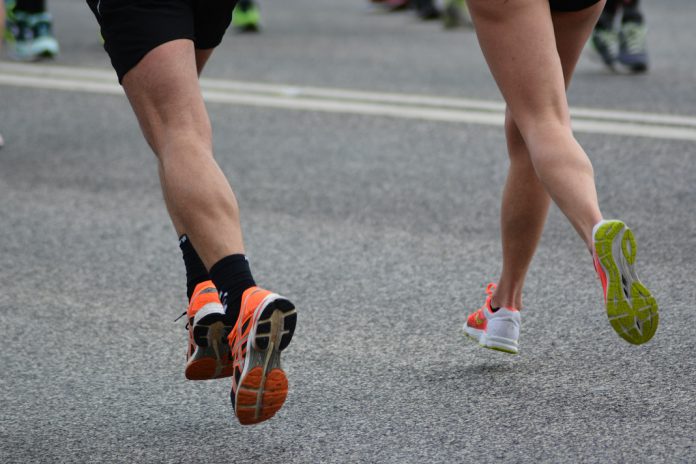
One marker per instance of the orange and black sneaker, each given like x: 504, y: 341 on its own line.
x: 264, y: 328
x: 208, y: 355
x: 497, y: 330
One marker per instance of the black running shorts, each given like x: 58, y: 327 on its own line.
x: 571, y: 5
x: 132, y: 28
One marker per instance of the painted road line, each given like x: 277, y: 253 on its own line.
x: 423, y: 107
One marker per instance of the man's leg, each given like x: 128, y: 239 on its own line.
x: 196, y: 272
x: 164, y: 92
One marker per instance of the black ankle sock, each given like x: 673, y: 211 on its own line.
x: 195, y: 270
x: 31, y: 6
x: 632, y: 15
x: 231, y: 275
x: 606, y: 20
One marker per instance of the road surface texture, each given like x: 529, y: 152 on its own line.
x: 381, y: 226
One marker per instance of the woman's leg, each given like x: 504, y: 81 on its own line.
x: 525, y: 205
x: 532, y: 55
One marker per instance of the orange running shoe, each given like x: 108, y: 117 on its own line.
x: 208, y: 355
x: 264, y: 328
x: 497, y: 330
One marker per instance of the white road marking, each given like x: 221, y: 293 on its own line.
x: 422, y: 107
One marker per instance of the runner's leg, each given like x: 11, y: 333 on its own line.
x: 535, y: 90
x: 523, y: 212
x: 164, y: 92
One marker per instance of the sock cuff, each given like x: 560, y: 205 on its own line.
x: 232, y: 260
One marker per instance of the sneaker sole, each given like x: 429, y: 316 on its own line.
x: 45, y: 47
x: 263, y: 385
x: 211, y: 359
x: 631, y: 308
x: 480, y: 337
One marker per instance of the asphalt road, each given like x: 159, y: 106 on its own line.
x: 382, y: 230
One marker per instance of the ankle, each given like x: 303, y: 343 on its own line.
x: 232, y: 276
x: 506, y: 299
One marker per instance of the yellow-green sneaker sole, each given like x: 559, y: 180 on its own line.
x: 631, y: 308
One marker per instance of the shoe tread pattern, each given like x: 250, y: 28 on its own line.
x: 631, y: 308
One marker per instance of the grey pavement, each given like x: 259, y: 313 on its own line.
x: 383, y: 231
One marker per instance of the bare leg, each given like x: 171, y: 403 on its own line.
x: 202, y: 57
x: 164, y: 93
x: 538, y: 125
x: 523, y: 212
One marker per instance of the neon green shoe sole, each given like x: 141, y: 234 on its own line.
x: 631, y: 308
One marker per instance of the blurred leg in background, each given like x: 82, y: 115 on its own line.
x: 625, y: 44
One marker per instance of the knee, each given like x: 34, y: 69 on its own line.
x: 176, y: 141
x: 545, y: 131
x: 517, y: 148
x: 512, y: 132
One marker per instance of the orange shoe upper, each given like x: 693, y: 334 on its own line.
x: 477, y: 319
x: 204, y: 293
x: 251, y: 299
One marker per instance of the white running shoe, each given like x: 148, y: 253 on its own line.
x: 497, y: 330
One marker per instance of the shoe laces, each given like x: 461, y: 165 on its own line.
x: 187, y: 322
x: 490, y: 288
x: 633, y: 37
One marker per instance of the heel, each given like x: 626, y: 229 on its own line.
x: 276, y: 325
x: 211, y: 330
x: 502, y: 335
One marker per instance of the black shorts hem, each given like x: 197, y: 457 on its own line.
x: 571, y: 5
x: 124, y: 63
x: 133, y: 28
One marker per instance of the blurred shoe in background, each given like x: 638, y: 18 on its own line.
x: 29, y: 36
x: 632, y: 49
x: 426, y: 10
x: 606, y: 43
x: 455, y: 14
x: 246, y: 17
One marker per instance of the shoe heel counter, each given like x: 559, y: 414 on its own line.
x: 504, y: 328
